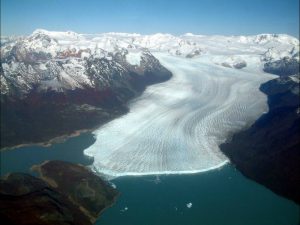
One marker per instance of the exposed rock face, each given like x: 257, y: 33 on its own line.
x: 269, y: 151
x: 68, y: 194
x: 240, y: 65
x: 282, y: 63
x: 284, y: 67
x: 194, y: 53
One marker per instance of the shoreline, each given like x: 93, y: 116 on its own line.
x: 75, y: 133
x: 257, y: 142
x: 37, y: 168
x: 49, y: 184
x: 55, y: 140
x: 54, y: 184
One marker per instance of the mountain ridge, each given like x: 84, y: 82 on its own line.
x: 48, y: 48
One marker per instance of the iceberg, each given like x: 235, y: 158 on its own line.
x: 189, y: 205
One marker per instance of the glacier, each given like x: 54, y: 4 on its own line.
x: 176, y: 127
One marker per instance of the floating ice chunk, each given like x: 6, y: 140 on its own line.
x: 157, y: 180
x: 189, y: 205
x: 125, y: 209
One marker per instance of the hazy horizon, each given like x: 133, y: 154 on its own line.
x: 142, y: 34
x: 214, y: 17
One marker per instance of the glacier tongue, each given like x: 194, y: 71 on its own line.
x: 177, y: 126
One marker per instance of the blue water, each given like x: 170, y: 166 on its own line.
x: 221, y: 196
x: 21, y: 159
x: 218, y: 197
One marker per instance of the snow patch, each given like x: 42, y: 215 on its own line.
x: 134, y: 58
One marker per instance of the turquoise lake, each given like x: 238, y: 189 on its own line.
x: 222, y: 196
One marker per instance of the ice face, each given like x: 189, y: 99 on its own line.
x: 177, y: 126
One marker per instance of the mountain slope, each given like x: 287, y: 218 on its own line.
x: 47, y: 91
x: 59, y: 60
x: 268, y: 151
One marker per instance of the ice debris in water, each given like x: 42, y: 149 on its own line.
x: 125, y: 209
x: 189, y: 205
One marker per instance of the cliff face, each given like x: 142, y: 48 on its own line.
x: 269, y: 151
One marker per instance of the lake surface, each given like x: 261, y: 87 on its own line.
x: 21, y: 159
x: 221, y: 196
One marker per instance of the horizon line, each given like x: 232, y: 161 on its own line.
x: 143, y: 34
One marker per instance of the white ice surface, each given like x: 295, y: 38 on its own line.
x: 176, y: 126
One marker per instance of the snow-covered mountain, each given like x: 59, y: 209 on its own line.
x: 59, y: 60
x: 65, y: 61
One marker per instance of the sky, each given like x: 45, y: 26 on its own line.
x: 224, y: 17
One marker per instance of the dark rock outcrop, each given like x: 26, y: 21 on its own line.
x: 240, y: 65
x: 284, y: 67
x: 194, y: 53
x: 269, y: 151
x: 66, y: 194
